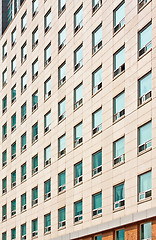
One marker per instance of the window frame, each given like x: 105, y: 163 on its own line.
x: 98, y: 46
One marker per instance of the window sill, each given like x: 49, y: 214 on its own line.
x: 119, y: 119
x: 59, y: 15
x: 23, y: 121
x: 4, y: 220
x: 77, y: 31
x: 78, y: 107
x: 47, y: 98
x: 4, y: 166
x: 114, y: 34
x: 96, y: 175
x: 63, y: 191
x: 93, y: 94
x: 118, y: 75
x: 45, y: 133
x: 118, y: 164
x: 13, y: 102
x: 24, y: 29
x: 34, y: 142
x: 93, y: 54
x: 61, y: 120
x: 139, y: 10
x: 78, y: 184
x: 118, y: 209
x: 13, y: 187
x: 35, y: 237
x: 77, y: 223
x: 148, y: 100
x: 4, y: 139
x: 33, y: 79
x: 97, y: 216
x: 35, y: 110
x: 23, y: 61
x: 4, y: 58
x: 96, y: 134
x: 61, y: 156
x: 75, y: 147
x: 61, y: 49
x: 45, y: 166
x: 75, y: 71
x: 45, y: 33
x: 47, y: 199
x: 13, y: 216
x: 33, y: 48
x: 59, y: 86
x: 12, y: 75
x: 45, y: 66
x: 35, y: 205
x: 23, y: 151
x: 34, y: 173
x: 47, y: 233
x: 24, y: 181
x: 144, y: 200
x: 24, y: 211
x: 4, y: 193
x: 34, y: 15
x: 4, y: 84
x: 144, y: 54
x: 4, y: 112
x: 12, y: 159
x: 23, y: 91
x: 62, y: 228
x: 12, y: 46
x: 144, y: 151
x: 13, y: 131
x: 96, y: 10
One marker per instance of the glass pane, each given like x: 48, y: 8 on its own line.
x: 61, y: 3
x: 62, y: 178
x: 145, y: 85
x: 145, y: 182
x: 47, y: 20
x: 48, y: 53
x: 23, y: 227
x: 35, y: 5
x: 62, y: 36
x: 97, y: 201
x: 35, y: 98
x: 35, y: 225
x: 78, y: 17
x: 78, y: 93
x: 119, y: 103
x: 48, y: 220
x: 23, y: 169
x: 145, y: 36
x: 97, y: 159
x: 13, y: 205
x: 145, y: 133
x: 146, y: 231
x: 47, y: 86
x: 97, y: 118
x: 119, y: 58
x: 119, y: 192
x: 62, y: 71
x: 35, y: 161
x: 97, y: 77
x: 48, y: 186
x: 62, y: 143
x: 13, y: 148
x: 35, y: 67
x: 62, y: 214
x: 13, y: 120
x: 23, y: 140
x: 4, y: 156
x: 78, y: 55
x: 97, y: 36
x: 78, y: 170
x: 78, y: 131
x: 78, y: 208
x: 120, y: 235
x: 48, y: 153
x: 62, y: 107
x: 119, y: 147
x: 119, y: 14
x: 48, y: 119
x: 35, y: 193
x: 35, y: 130
x: 13, y: 177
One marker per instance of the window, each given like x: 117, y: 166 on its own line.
x: 62, y: 74
x: 47, y: 88
x: 23, y: 142
x: 47, y: 122
x: 34, y: 7
x: 4, y: 77
x: 145, y: 137
x: 13, y: 94
x: 119, y: 61
x: 78, y: 173
x: 97, y: 39
x: 47, y: 21
x: 78, y: 96
x: 34, y: 164
x: 23, y: 172
x: 47, y: 156
x: 13, y: 150
x: 23, y: 231
x: 35, y: 69
x: 23, y: 202
x: 145, y: 88
x: 13, y: 65
x: 23, y: 112
x: 62, y: 38
x: 35, y: 101
x: 4, y: 158
x: 35, y: 196
x: 62, y: 110
x: 78, y: 19
x: 13, y: 122
x: 13, y: 233
x: 13, y: 207
x: 24, y: 22
x: 62, y: 145
x: 4, y: 104
x: 23, y: 52
x: 97, y: 162
x: 13, y: 179
x: 13, y: 37
x: 35, y: 227
x: 23, y: 82
x: 47, y: 55
x: 62, y: 6
x: 62, y: 217
x: 4, y: 185
x: 97, y: 80
x: 97, y: 204
x: 78, y: 211
x: 47, y: 189
x: 145, y: 39
x: 78, y: 57
x: 4, y: 50
x: 97, y: 121
x: 145, y: 231
x: 120, y: 234
x: 4, y: 236
x: 47, y: 223
x: 4, y: 131
x: 119, y: 106
x: 119, y: 196
x: 96, y: 4
x: 142, y: 3
x: 4, y: 212
x: 35, y: 38
x: 119, y: 151
x: 119, y: 17
x: 62, y: 181
x: 99, y: 237
x: 78, y: 135
x: 145, y: 186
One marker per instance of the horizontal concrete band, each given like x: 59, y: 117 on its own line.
x: 136, y: 217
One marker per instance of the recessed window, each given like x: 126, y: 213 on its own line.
x: 35, y: 38
x: 62, y: 38
x: 119, y: 196
x: 4, y: 131
x: 141, y: 3
x: 35, y: 69
x: 119, y: 106
x: 35, y: 132
x: 13, y: 37
x: 47, y: 122
x: 4, y: 104
x: 145, y: 88
x: 24, y: 52
x: 96, y: 4
x: 78, y: 173
x: 23, y: 22
x: 23, y: 112
x: 13, y: 233
x: 4, y: 236
x: 61, y: 181
x: 78, y: 135
x: 145, y: 186
x: 35, y: 196
x: 4, y: 50
x: 62, y: 145
x: 13, y: 122
x: 62, y: 110
x: 47, y: 223
x: 145, y: 39
x: 97, y: 80
x: 78, y: 211
x: 23, y: 202
x: 47, y: 21
x: 145, y: 137
x: 13, y: 94
x: 47, y: 156
x: 13, y: 179
x: 62, y: 74
x: 4, y: 212
x: 97, y: 204
x: 78, y: 96
x: 146, y: 231
x: 34, y: 101
x: 47, y: 189
x: 4, y: 185
x: 23, y: 82
x: 97, y: 39
x: 13, y: 207
x: 97, y: 121
x: 13, y: 65
x: 35, y: 227
x: 62, y: 6
x: 4, y: 77
x: 119, y: 151
x: 62, y: 217
x: 78, y: 19
x: 78, y: 57
x: 4, y: 158
x: 34, y: 7
x: 97, y: 162
x: 34, y: 164
x: 23, y: 172
x: 47, y: 88
x: 23, y: 231
x: 119, y: 61
x: 119, y: 17
x: 47, y: 55
x: 120, y: 234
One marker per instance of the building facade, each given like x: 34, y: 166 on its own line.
x: 78, y: 120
